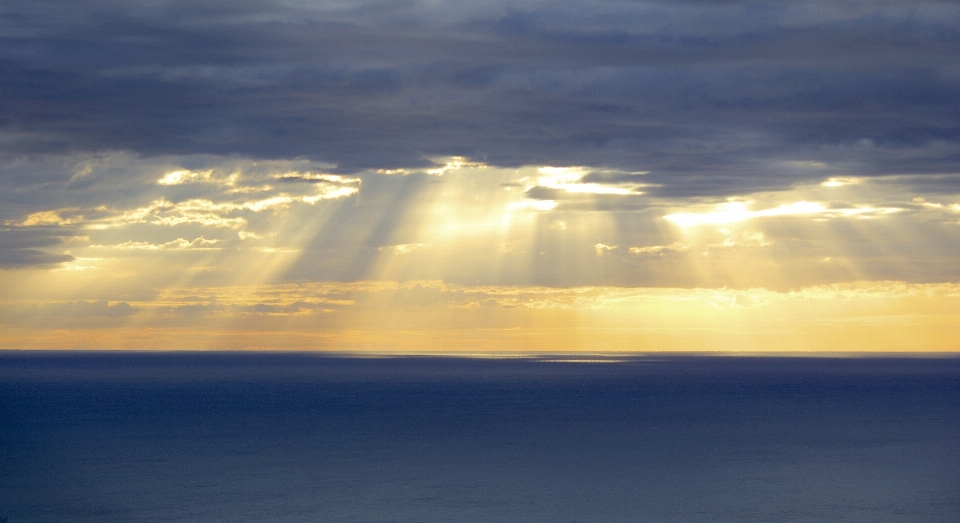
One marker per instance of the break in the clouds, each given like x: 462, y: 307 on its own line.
x: 538, y: 174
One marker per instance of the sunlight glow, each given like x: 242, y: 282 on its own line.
x: 840, y: 182
x: 540, y: 205
x: 183, y: 176
x: 568, y: 179
x: 453, y: 163
x: 415, y: 316
x: 732, y: 212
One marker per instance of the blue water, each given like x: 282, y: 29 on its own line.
x: 302, y: 438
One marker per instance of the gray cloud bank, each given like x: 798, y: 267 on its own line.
x: 27, y: 248
x: 709, y: 97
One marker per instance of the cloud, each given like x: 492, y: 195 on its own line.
x: 470, y: 225
x: 403, y: 248
x: 742, y: 239
x: 736, y: 300
x: 200, y: 243
x: 659, y: 250
x: 20, y: 248
x: 362, y: 299
x: 31, y: 258
x: 577, y: 188
x: 602, y: 248
x: 572, y: 180
x: 732, y: 212
x: 181, y: 177
x: 227, y: 195
x: 87, y: 309
x: 318, y: 178
x: 708, y: 98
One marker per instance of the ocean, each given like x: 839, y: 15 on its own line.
x: 280, y: 437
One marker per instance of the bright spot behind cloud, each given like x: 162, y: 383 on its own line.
x: 182, y: 176
x: 569, y: 179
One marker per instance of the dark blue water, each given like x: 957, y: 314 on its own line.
x: 302, y: 438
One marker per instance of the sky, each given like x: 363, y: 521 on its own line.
x: 480, y: 177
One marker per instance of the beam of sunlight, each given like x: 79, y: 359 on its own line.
x: 227, y: 253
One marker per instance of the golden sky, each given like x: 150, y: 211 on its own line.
x: 225, y: 253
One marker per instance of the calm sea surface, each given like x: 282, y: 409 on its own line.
x: 302, y: 438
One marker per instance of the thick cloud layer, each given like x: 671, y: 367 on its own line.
x: 708, y: 97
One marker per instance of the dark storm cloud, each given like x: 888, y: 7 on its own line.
x: 709, y: 97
